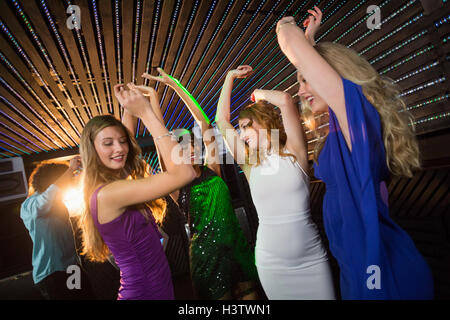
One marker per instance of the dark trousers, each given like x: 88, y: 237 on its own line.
x: 54, y: 287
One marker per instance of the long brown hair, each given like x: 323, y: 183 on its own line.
x: 402, y: 150
x: 267, y: 117
x: 96, y: 174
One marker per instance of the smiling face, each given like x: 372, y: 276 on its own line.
x: 112, y: 147
x: 305, y: 91
x: 249, y: 132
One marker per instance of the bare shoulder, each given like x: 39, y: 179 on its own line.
x: 106, y: 210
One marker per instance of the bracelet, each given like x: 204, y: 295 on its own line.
x: 169, y: 134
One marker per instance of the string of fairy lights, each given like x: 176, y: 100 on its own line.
x: 257, y: 48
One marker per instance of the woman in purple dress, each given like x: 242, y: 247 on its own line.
x: 369, y: 137
x: 122, y: 201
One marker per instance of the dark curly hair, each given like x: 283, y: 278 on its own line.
x: 46, y: 173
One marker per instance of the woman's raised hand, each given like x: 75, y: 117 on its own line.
x: 312, y: 24
x: 132, y: 100
x: 241, y: 71
x: 147, y: 91
x: 275, y: 97
x: 163, y: 77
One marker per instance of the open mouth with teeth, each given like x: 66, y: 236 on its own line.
x: 310, y: 99
x: 118, y: 158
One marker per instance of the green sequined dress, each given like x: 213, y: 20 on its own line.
x: 220, y: 256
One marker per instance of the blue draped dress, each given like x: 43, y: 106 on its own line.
x: 377, y: 259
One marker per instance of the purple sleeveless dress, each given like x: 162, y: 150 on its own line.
x: 135, y: 244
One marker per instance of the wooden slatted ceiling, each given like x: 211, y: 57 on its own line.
x: 53, y: 79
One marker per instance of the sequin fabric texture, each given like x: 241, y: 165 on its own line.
x: 220, y: 256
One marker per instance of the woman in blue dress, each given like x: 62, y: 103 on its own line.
x: 369, y: 137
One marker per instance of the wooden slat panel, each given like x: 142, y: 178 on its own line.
x: 423, y: 205
x: 344, y: 14
x: 44, y: 34
x: 90, y: 37
x: 13, y: 24
x: 35, y: 137
x: 60, y: 123
x: 128, y: 12
x: 106, y: 11
x: 51, y: 138
x: 70, y: 42
x: 145, y: 36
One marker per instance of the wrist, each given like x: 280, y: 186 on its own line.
x: 258, y: 95
x: 230, y: 76
x: 168, y: 134
x: 284, y: 25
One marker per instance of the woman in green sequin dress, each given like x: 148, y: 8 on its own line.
x: 221, y: 261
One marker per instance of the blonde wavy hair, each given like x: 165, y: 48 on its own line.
x: 96, y: 174
x: 268, y: 118
x: 402, y: 150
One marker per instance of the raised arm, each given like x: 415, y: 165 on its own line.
x: 296, y: 140
x: 230, y: 135
x: 314, y: 68
x: 154, y: 102
x: 212, y: 152
x: 116, y: 196
x: 129, y: 120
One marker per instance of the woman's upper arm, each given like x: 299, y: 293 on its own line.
x: 232, y: 141
x: 325, y: 80
x: 329, y: 86
x: 296, y: 142
x: 129, y: 121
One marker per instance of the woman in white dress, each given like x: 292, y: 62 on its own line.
x: 290, y: 258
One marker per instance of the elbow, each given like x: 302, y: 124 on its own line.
x: 185, y: 172
x: 285, y: 100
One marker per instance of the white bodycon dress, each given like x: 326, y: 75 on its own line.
x: 291, y: 261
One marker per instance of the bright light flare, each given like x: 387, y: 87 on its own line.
x: 73, y: 200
